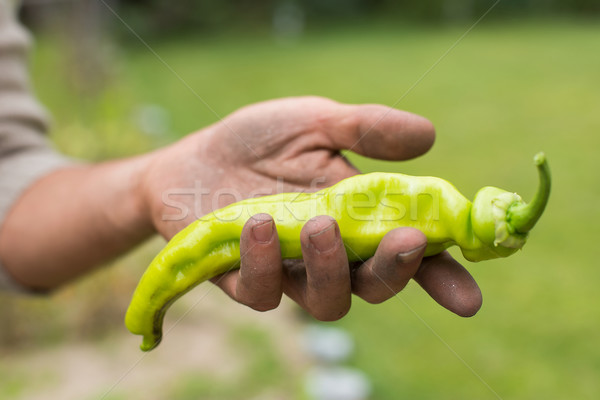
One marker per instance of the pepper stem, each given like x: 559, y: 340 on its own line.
x: 522, y: 217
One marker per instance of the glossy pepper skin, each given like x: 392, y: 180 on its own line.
x: 366, y: 207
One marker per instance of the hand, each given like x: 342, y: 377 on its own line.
x: 323, y: 281
x: 294, y: 145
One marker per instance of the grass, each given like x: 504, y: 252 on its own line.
x: 263, y: 371
x: 504, y: 92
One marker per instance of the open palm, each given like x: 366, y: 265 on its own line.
x: 291, y: 145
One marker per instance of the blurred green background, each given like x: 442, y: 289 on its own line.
x: 525, y: 79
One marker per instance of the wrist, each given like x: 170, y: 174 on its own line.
x: 169, y: 184
x: 135, y: 208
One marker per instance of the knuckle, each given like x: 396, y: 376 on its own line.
x: 375, y: 292
x: 259, y: 277
x: 377, y: 298
x: 329, y: 315
x: 262, y: 305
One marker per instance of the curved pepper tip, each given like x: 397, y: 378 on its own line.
x: 149, y: 343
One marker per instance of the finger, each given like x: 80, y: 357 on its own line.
x: 328, y: 288
x: 227, y: 282
x: 259, y: 281
x: 450, y: 284
x: 379, y: 132
x: 395, y: 262
x: 257, y: 284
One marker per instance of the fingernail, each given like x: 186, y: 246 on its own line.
x: 263, y: 232
x: 409, y: 256
x: 324, y: 240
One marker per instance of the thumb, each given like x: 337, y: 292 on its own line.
x: 378, y: 131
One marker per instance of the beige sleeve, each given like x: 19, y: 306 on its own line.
x: 25, y: 154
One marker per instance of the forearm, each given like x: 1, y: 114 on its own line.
x: 74, y: 219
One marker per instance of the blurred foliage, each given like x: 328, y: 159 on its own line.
x: 262, y: 374
x: 164, y: 17
x: 86, y: 310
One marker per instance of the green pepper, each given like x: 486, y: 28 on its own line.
x: 366, y: 207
